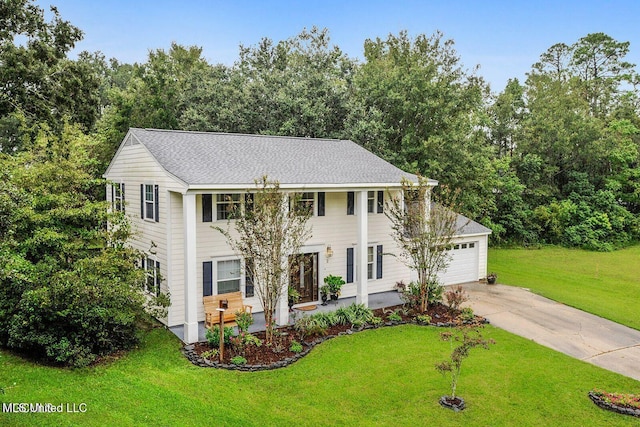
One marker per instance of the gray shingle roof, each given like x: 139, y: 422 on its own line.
x: 207, y: 158
x: 468, y: 226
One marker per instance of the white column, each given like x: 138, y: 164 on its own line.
x: 282, y: 310
x: 190, y: 271
x: 362, y: 290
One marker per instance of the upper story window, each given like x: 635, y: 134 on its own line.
x: 305, y: 202
x: 375, y: 202
x: 226, y: 205
x: 117, y: 196
x: 229, y: 204
x: 149, y: 202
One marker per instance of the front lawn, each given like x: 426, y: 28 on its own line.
x: 603, y: 283
x: 378, y: 377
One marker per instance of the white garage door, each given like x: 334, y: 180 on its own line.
x: 464, y: 264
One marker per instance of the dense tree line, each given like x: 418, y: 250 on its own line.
x: 553, y: 159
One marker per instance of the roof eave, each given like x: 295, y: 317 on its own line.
x: 301, y: 186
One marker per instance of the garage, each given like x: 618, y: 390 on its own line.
x: 464, y: 264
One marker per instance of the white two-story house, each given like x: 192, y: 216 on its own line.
x: 176, y: 185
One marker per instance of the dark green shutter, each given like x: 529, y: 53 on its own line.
x: 142, y: 201
x: 349, y: 265
x: 350, y: 203
x: 379, y: 262
x: 207, y: 278
x: 155, y: 196
x: 321, y: 203
x: 380, y: 201
x: 158, y: 278
x: 207, y: 208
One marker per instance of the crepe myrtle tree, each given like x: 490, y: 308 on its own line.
x: 424, y: 232
x: 267, y: 232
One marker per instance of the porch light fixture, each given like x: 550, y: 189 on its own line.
x: 329, y: 251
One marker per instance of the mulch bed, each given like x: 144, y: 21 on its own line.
x: 279, y: 355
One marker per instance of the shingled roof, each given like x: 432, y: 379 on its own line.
x: 208, y: 158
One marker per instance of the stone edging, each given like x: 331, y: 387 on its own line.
x: 189, y: 349
x: 599, y: 401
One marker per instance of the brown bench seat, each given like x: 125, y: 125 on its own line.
x: 212, y: 303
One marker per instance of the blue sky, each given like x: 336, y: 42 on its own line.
x: 504, y: 37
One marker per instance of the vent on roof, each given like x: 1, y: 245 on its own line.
x: 131, y: 141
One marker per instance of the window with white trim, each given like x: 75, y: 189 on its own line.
x: 226, y: 205
x: 305, y: 202
x: 117, y: 196
x: 152, y: 271
x: 228, y: 276
x: 374, y: 263
x: 149, y: 202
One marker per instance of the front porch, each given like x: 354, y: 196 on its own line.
x: 377, y: 300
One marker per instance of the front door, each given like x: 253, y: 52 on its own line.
x: 304, y: 276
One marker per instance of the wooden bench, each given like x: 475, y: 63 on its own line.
x: 212, y: 303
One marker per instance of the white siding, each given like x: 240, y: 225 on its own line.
x: 336, y: 229
x: 133, y: 165
x: 176, y: 278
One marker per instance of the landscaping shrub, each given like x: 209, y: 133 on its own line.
x: 79, y: 316
x: 296, y: 347
x: 238, y: 360
x: 411, y: 296
x: 308, y: 326
x: 455, y: 297
x: 243, y: 320
x: 213, y: 335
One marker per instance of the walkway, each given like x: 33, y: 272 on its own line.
x: 581, y: 335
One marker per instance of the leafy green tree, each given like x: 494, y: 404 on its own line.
x: 297, y: 87
x: 418, y: 107
x: 70, y: 291
x: 507, y: 113
x: 598, y: 60
x: 38, y: 84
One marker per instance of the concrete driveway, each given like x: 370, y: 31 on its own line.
x: 576, y: 333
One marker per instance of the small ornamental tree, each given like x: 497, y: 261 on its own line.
x: 268, y: 232
x: 424, y: 232
x: 464, y: 338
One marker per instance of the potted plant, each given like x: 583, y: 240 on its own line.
x: 324, y: 293
x: 491, y: 278
x: 335, y: 284
x: 294, y: 296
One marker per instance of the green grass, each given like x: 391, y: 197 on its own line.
x: 378, y: 377
x: 606, y: 284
